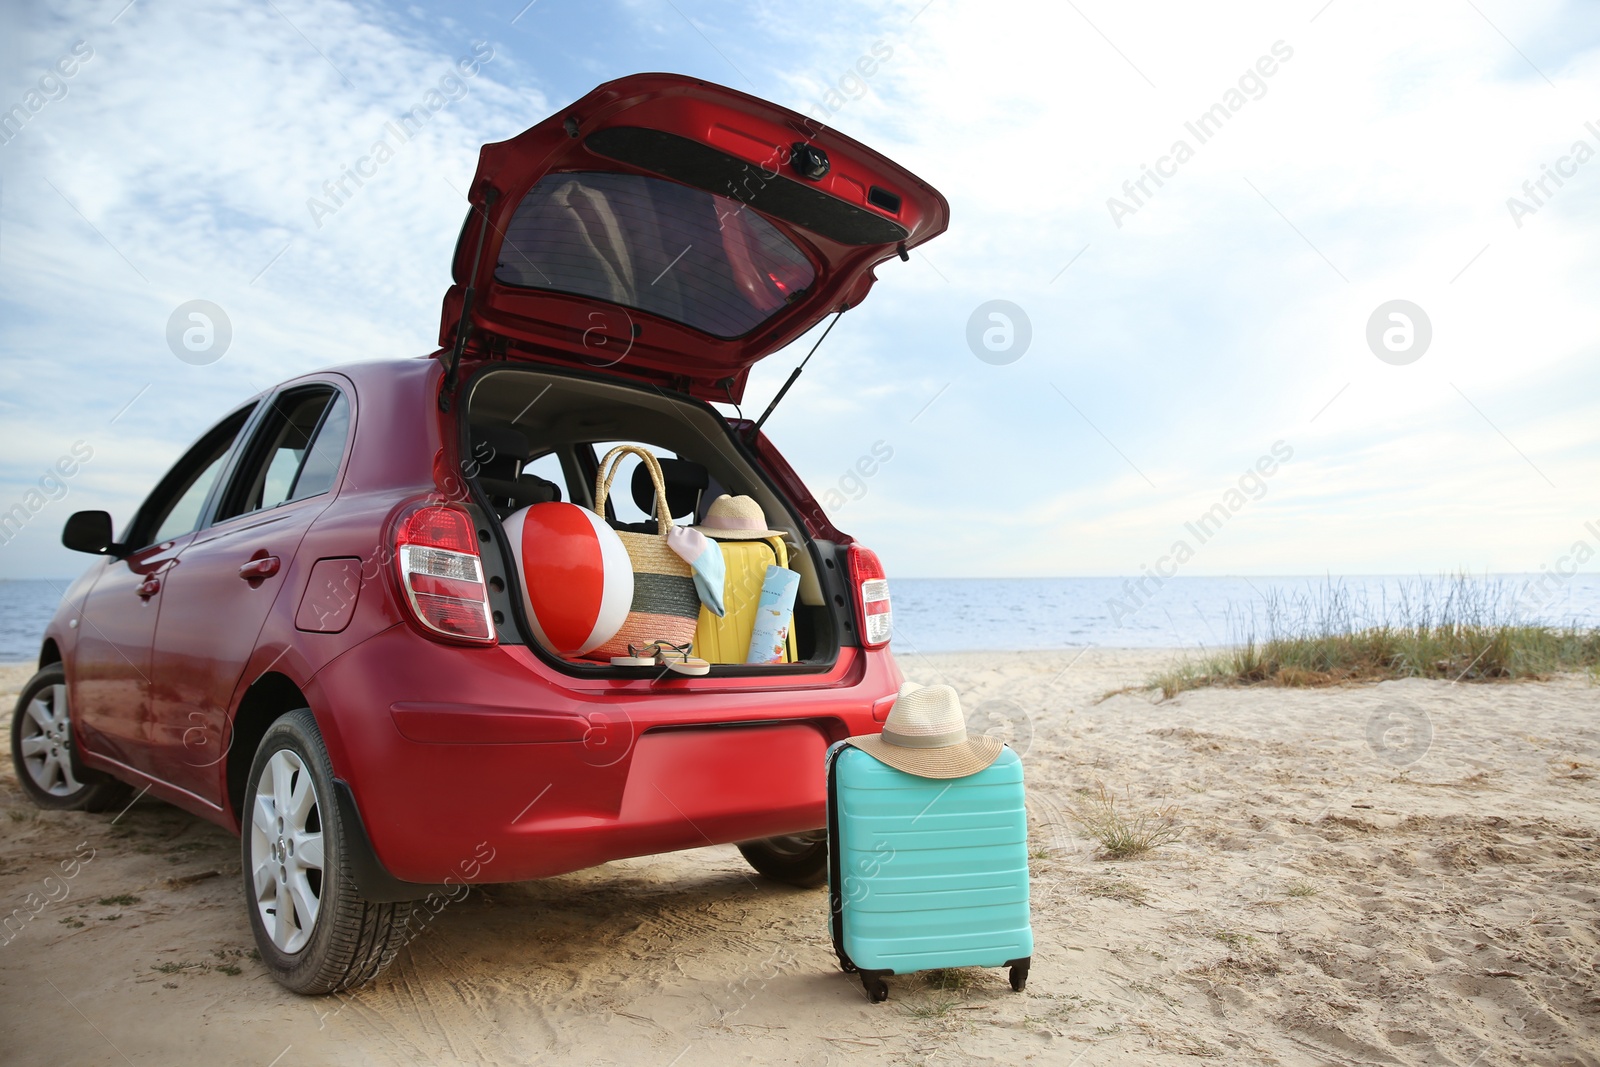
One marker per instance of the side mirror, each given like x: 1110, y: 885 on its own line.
x: 89, y: 531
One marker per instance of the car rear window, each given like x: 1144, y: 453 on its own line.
x: 703, y: 260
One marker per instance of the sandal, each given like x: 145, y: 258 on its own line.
x: 638, y: 657
x: 677, y: 658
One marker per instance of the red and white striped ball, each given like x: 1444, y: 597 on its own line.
x: 577, y: 580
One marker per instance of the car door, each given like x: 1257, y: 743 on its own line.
x: 223, y: 585
x: 109, y: 670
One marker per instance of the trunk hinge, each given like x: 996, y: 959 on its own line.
x: 452, y: 362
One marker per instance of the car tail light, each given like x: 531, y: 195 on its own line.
x: 872, y: 596
x: 437, y: 553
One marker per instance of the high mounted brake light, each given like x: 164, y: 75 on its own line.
x: 872, y: 597
x: 436, y: 551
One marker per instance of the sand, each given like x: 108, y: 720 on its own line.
x: 1405, y: 873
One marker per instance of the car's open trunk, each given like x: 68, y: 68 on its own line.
x: 566, y: 421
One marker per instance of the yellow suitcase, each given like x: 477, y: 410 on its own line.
x: 727, y: 640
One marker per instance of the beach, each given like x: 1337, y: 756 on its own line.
x: 1399, y: 873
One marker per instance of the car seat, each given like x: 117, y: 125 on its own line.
x: 499, y: 454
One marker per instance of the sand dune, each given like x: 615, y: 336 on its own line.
x: 1406, y: 873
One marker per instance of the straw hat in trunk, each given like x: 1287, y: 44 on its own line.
x: 736, y: 518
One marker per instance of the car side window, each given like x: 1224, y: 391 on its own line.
x: 185, y: 514
x: 548, y: 467
x: 173, y: 509
x: 294, y: 454
x: 325, y: 452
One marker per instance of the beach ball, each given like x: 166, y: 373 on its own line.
x: 577, y: 580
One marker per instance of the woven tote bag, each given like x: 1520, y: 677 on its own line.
x: 665, y: 604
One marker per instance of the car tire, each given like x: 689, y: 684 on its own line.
x: 44, y: 754
x: 796, y: 859
x: 315, y: 932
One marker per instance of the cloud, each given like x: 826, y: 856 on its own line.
x: 1231, y: 308
x: 1227, y: 312
x: 180, y: 165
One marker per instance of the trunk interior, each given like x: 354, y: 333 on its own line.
x: 533, y: 435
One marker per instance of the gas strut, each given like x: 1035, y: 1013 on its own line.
x: 464, y: 326
x: 756, y: 429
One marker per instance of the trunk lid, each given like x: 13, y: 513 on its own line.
x: 671, y: 230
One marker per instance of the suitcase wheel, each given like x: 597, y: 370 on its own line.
x: 1019, y: 975
x: 877, y: 989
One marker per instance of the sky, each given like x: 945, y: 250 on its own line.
x: 1220, y: 336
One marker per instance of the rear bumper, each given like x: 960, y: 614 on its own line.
x: 472, y: 765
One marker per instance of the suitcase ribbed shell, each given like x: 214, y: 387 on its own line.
x: 928, y: 873
x: 727, y: 639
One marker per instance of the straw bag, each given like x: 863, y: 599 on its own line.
x: 665, y: 604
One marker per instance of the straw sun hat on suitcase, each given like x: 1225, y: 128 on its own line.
x: 926, y: 735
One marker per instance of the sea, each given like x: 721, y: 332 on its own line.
x: 986, y: 614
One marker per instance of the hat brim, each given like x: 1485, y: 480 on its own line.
x: 737, y: 535
x: 952, y: 761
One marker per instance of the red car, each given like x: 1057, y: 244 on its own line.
x: 312, y: 631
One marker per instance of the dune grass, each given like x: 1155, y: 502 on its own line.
x: 1123, y: 834
x: 1457, y: 628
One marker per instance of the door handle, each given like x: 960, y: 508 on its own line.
x: 257, y: 569
x: 149, y: 588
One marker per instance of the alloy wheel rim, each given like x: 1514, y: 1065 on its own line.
x: 286, y: 857
x: 46, y: 742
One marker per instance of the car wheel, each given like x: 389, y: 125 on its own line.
x: 798, y: 859
x: 314, y: 931
x: 42, y: 751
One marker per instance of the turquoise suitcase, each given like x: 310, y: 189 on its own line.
x: 926, y: 872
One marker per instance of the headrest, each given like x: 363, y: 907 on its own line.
x: 539, y: 490
x: 498, y: 451
x: 685, y: 480
x: 528, y: 489
x: 500, y: 440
